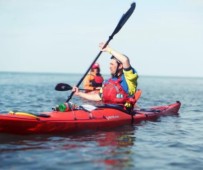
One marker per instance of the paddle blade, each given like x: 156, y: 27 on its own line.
x: 124, y: 18
x: 63, y: 87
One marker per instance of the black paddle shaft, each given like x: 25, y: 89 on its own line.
x: 122, y: 21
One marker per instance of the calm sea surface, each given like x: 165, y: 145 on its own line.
x: 173, y: 142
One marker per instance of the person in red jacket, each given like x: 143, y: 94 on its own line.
x: 121, y: 87
x: 94, y: 80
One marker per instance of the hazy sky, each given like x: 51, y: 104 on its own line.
x: 162, y: 37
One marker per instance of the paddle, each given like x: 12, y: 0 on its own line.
x: 64, y: 87
x: 120, y: 24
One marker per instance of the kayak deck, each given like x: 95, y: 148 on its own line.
x: 77, y: 120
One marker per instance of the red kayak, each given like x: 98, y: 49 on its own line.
x: 100, y: 118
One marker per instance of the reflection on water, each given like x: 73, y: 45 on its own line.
x: 105, y: 149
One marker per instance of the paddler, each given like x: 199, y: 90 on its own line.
x: 93, y: 80
x: 121, y: 87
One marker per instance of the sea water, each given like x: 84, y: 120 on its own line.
x: 171, y: 142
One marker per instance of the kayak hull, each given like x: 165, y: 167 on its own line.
x: 78, y: 120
